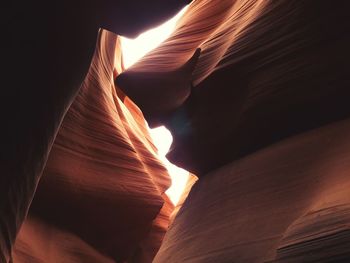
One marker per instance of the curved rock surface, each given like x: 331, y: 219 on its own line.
x: 260, y: 127
x: 288, y: 202
x: 47, y: 49
x: 267, y: 70
x: 265, y: 129
x: 103, y: 184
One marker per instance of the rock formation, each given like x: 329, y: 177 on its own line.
x: 47, y: 49
x: 288, y: 202
x: 103, y: 183
x: 261, y: 116
x: 267, y: 70
x: 265, y: 129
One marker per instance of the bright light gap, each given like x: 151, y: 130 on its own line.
x: 133, y: 50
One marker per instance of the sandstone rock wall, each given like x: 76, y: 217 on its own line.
x: 267, y: 70
x: 103, y: 185
x: 264, y: 128
x: 288, y: 202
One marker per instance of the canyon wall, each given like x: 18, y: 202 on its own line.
x: 259, y: 112
x: 267, y: 70
x: 102, y: 194
x: 47, y: 50
x: 264, y: 125
x: 289, y: 202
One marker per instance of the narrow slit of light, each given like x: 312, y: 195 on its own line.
x: 133, y: 50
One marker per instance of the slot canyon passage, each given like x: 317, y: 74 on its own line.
x: 255, y: 94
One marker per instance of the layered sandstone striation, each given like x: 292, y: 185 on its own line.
x: 47, y: 50
x: 258, y: 107
x: 102, y: 194
x: 288, y: 202
x: 265, y: 128
x: 267, y: 70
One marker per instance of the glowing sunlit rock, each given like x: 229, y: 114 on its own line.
x: 133, y: 50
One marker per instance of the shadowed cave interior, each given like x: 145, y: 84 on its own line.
x: 255, y: 94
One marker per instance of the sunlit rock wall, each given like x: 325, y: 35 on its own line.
x: 103, y: 185
x: 265, y: 128
x: 47, y: 49
x: 289, y: 202
x: 267, y: 70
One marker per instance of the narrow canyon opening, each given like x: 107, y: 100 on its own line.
x: 132, y: 51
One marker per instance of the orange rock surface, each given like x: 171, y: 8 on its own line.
x: 261, y: 116
x: 288, y: 202
x: 47, y: 50
x: 265, y: 128
x: 103, y: 185
x: 267, y: 70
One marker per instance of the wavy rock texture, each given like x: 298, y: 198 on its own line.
x: 267, y: 70
x: 288, y: 202
x: 172, y: 89
x: 47, y: 50
x: 101, y: 195
x: 261, y: 129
